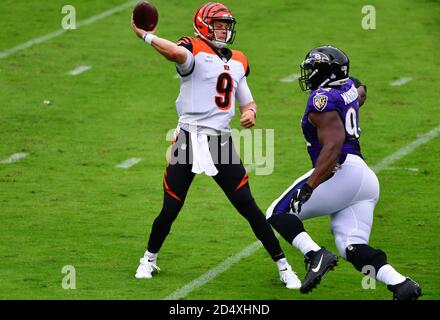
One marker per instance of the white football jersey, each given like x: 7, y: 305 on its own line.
x: 208, y: 85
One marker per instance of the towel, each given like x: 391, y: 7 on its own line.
x: 202, y: 159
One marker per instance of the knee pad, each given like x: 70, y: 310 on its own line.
x: 361, y: 255
x: 287, y: 225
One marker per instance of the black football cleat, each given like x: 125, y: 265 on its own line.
x: 406, y: 290
x: 318, y: 264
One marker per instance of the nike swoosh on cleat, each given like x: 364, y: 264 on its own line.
x: 319, y: 265
x: 222, y: 144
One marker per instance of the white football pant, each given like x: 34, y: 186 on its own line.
x: 349, y: 197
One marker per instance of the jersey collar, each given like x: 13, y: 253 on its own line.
x: 225, y: 54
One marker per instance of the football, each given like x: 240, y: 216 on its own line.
x: 145, y: 16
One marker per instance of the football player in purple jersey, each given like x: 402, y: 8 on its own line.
x: 340, y: 184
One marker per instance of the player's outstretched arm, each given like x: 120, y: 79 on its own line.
x: 168, y: 49
x: 331, y: 135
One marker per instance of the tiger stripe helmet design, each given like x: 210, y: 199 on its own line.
x: 204, y: 23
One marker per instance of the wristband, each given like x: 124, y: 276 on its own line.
x: 307, y: 188
x: 253, y: 110
x: 148, y: 38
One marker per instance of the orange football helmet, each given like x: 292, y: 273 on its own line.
x: 204, y: 20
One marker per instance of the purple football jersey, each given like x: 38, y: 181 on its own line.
x: 344, y: 100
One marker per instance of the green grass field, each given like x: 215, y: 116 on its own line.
x: 67, y: 204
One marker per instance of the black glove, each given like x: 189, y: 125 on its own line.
x: 300, y: 197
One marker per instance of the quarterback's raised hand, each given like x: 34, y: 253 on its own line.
x: 139, y: 32
x: 168, y: 49
x: 300, y: 197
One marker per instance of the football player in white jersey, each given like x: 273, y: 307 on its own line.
x: 212, y: 78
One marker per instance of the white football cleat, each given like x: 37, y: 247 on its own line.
x: 289, y: 277
x: 146, y: 269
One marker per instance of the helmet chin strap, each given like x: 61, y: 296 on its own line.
x: 219, y: 44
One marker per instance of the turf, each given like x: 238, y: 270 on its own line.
x: 67, y: 204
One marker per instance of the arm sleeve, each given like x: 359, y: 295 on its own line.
x: 243, y: 94
x: 322, y: 101
x: 187, y: 67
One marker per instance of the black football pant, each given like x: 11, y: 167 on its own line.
x: 231, y: 177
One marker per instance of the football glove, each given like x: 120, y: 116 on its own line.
x: 300, y: 197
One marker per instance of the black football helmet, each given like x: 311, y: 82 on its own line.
x: 324, y: 66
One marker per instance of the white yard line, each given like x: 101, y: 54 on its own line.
x: 252, y: 248
x: 291, y: 78
x: 15, y: 157
x: 78, y: 70
x: 388, y: 161
x: 403, y: 169
x: 401, y: 81
x: 214, y: 272
x: 9, y: 52
x: 129, y: 163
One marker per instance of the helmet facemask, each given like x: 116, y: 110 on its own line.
x: 306, y: 73
x: 313, y: 74
x: 230, y: 32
